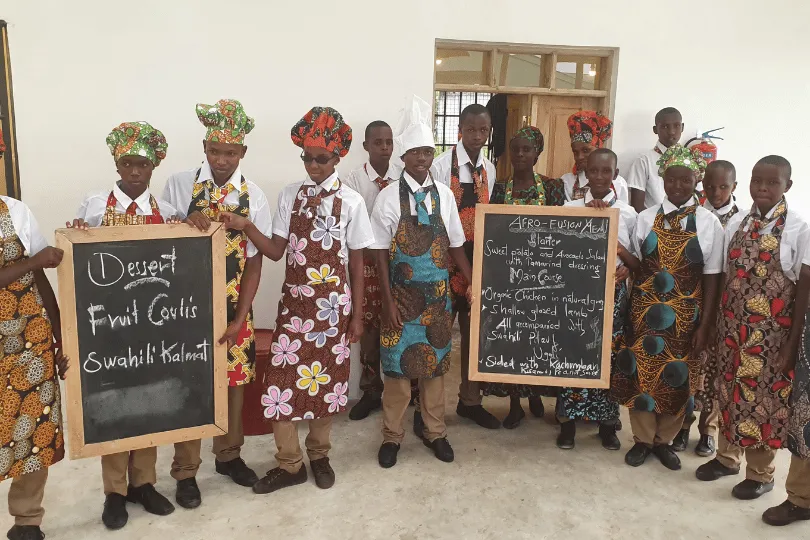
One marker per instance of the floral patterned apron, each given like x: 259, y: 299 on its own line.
x: 755, y: 317
x: 655, y: 371
x: 418, y: 270
x: 31, y: 436
x: 308, y: 376
x: 208, y: 198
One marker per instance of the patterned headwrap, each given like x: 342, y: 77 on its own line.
x: 226, y: 121
x: 323, y: 127
x: 590, y: 127
x: 534, y: 135
x: 137, y: 139
x: 680, y: 156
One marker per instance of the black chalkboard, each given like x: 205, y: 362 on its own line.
x: 545, y: 276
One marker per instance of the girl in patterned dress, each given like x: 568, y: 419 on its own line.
x: 525, y: 187
x: 322, y: 227
x: 137, y: 148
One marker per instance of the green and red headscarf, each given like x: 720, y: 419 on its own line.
x: 137, y: 139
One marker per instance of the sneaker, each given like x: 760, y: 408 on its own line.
x: 239, y: 472
x: 748, y: 490
x: 568, y: 431
x: 152, y: 501
x: 278, y: 478
x: 441, y: 449
x: 479, y: 415
x: 115, y: 514
x: 784, y: 514
x: 712, y: 470
x: 188, y: 494
x: 367, y: 404
x: 323, y: 473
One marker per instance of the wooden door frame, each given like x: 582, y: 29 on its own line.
x: 8, y: 162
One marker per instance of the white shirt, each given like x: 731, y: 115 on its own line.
x: 95, y: 205
x: 178, y: 194
x: 793, y: 245
x: 355, y: 229
x: 442, y: 165
x: 25, y: 226
x: 386, y: 214
x: 620, y: 184
x: 643, y: 176
x: 362, y: 181
x: 627, y: 219
x: 709, y: 233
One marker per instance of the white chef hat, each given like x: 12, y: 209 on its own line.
x: 413, y: 130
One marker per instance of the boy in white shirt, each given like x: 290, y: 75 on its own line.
x: 368, y: 180
x: 672, y: 307
x: 601, y: 168
x: 414, y: 243
x: 471, y: 177
x: 589, y: 130
x: 646, y: 185
x: 200, y: 196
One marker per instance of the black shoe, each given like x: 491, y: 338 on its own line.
x: 568, y: 431
x: 784, y: 514
x: 479, y: 415
x: 637, y: 455
x: 748, y: 490
x: 609, y: 439
x: 323, y: 472
x: 681, y: 441
x: 418, y: 425
x: 536, y: 407
x: 238, y: 471
x: 441, y: 449
x: 115, y: 514
x: 667, y: 456
x: 25, y: 532
x: 188, y: 494
x: 387, y: 456
x: 712, y: 470
x: 705, y: 447
x: 618, y: 425
x: 152, y: 501
x: 514, y: 417
x: 278, y: 478
x: 367, y: 404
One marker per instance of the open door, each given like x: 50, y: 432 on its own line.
x: 550, y: 114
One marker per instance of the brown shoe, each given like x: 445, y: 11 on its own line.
x: 785, y: 514
x: 278, y: 478
x: 323, y: 473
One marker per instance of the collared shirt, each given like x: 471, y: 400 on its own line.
x: 643, y: 176
x: 362, y: 181
x: 25, y: 226
x: 386, y: 214
x: 442, y: 165
x: 723, y: 210
x: 793, y: 246
x: 355, y: 229
x: 94, y: 206
x: 627, y: 219
x: 178, y: 194
x: 569, y: 179
x: 709, y: 233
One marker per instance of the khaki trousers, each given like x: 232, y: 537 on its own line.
x: 25, y: 498
x: 226, y: 447
x: 653, y: 429
x: 758, y: 461
x: 708, y: 423
x: 289, y: 456
x: 469, y: 392
x: 396, y: 396
x: 139, y: 464
x: 798, y: 482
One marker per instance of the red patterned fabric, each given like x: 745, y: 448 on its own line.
x: 323, y: 127
x: 590, y: 127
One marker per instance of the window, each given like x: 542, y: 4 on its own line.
x: 446, y: 112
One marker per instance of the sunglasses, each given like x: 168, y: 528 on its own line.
x: 320, y: 160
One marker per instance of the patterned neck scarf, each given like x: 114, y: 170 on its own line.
x: 534, y: 195
x: 315, y: 197
x: 379, y: 181
x: 421, y: 208
x: 674, y: 218
x: 479, y: 176
x: 130, y: 216
x: 760, y: 222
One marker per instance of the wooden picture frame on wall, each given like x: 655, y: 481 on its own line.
x: 67, y: 240
x: 9, y: 166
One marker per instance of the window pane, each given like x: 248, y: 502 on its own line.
x: 438, y: 129
x: 566, y: 75
x: 451, y: 130
x: 452, y: 103
x: 461, y: 67
x: 590, y: 75
x: 482, y: 98
x: 438, y: 99
x: 519, y: 70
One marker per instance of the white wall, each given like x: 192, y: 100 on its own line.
x: 82, y: 67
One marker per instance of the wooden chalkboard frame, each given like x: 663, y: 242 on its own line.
x: 65, y: 240
x: 481, y: 211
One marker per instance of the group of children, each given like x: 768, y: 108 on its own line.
x: 709, y: 311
